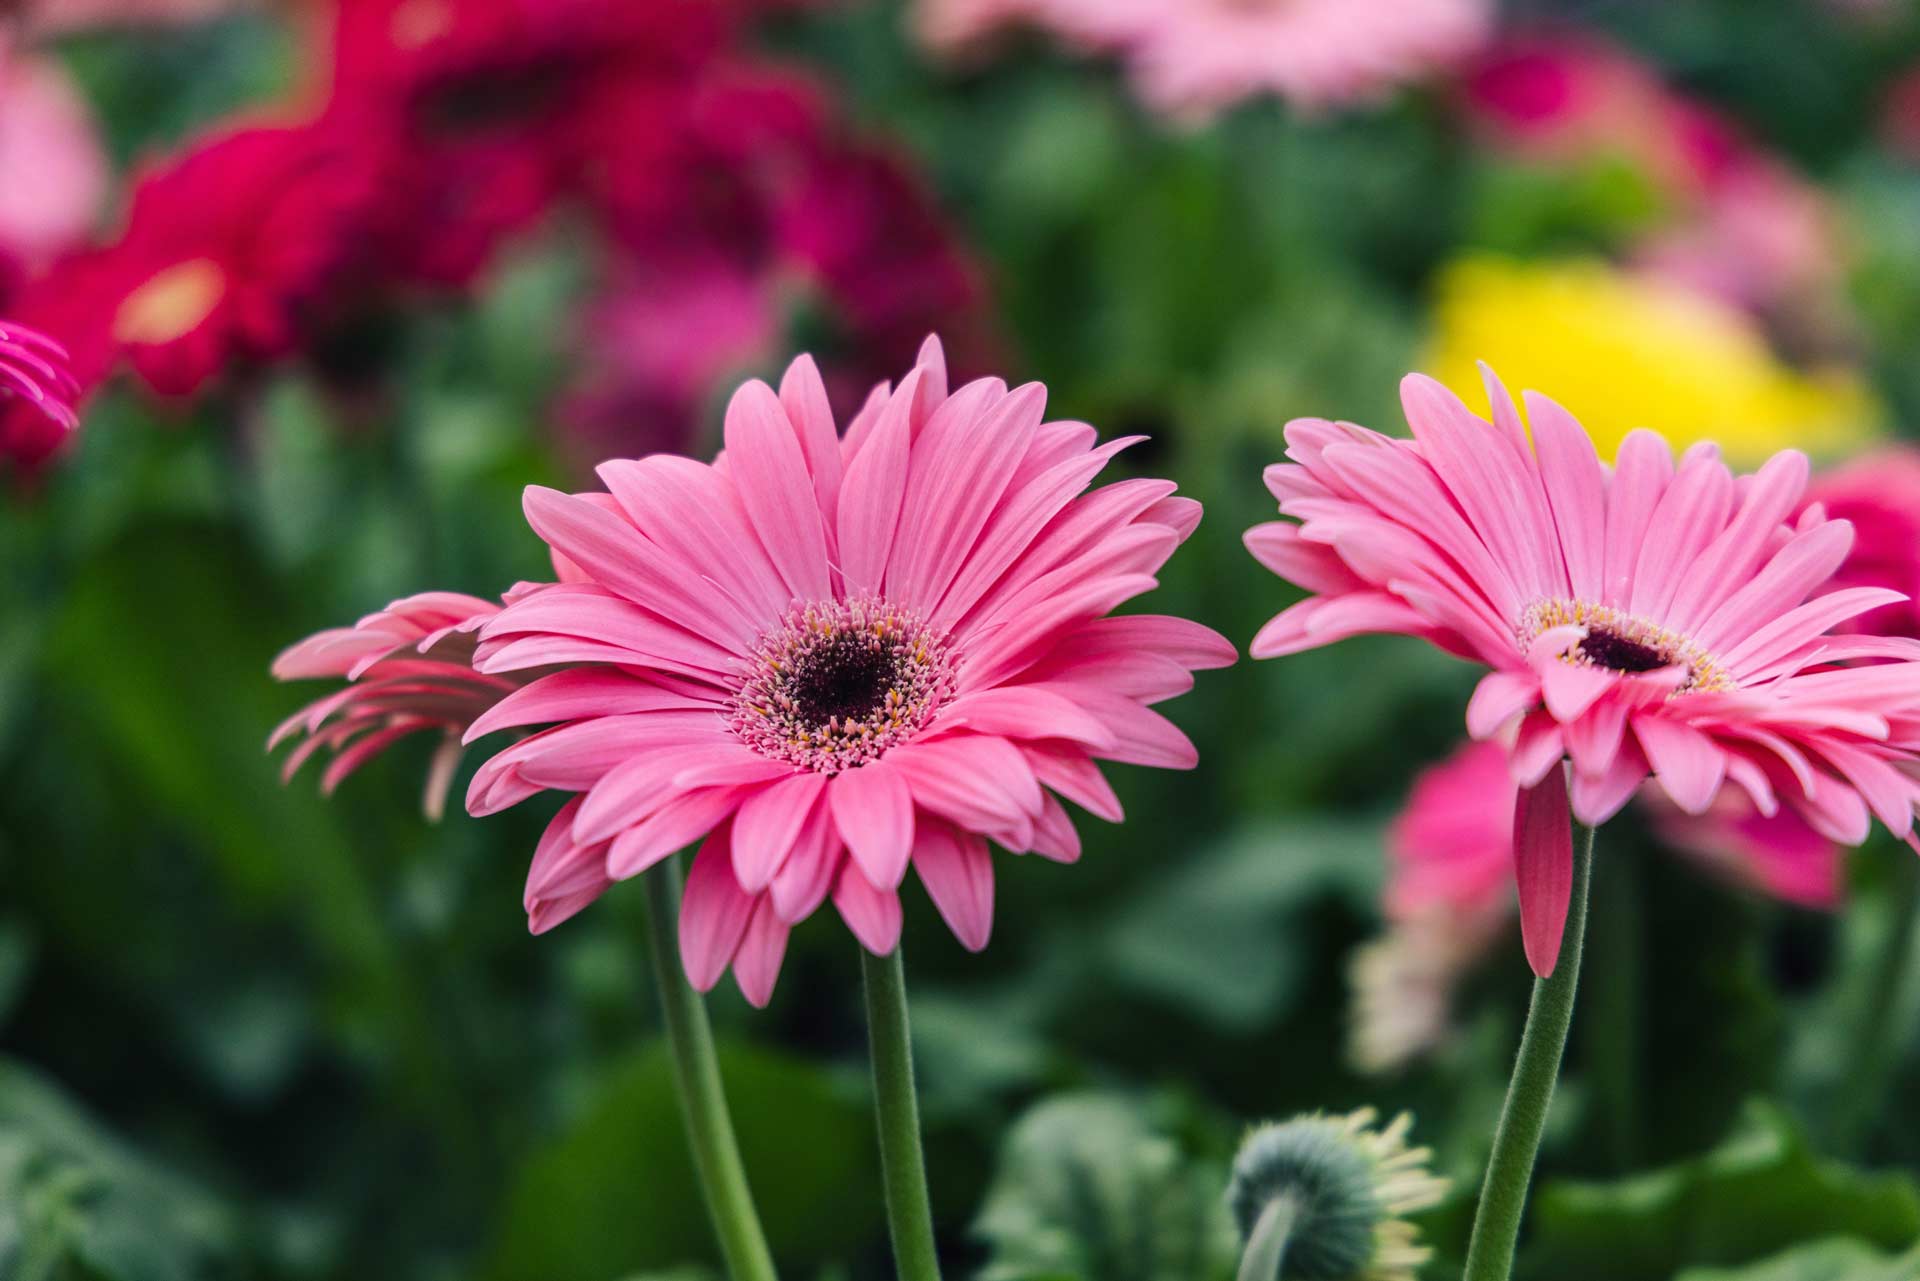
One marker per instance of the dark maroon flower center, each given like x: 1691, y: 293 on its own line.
x: 836, y: 683
x: 1607, y: 649
x: 845, y: 677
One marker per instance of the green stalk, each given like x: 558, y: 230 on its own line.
x: 1267, y: 1243
x: 1875, y: 1051
x: 703, y: 1100
x: 1516, y: 1144
x: 897, y: 1109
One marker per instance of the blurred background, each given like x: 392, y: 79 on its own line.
x: 340, y: 279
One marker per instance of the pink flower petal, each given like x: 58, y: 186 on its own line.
x: 957, y: 870
x: 875, y: 486
x: 713, y: 913
x: 768, y: 824
x: 756, y: 966
x: 1498, y: 699
x: 1689, y: 765
x: 1543, y: 868
x: 776, y: 490
x: 873, y: 808
x: 872, y: 914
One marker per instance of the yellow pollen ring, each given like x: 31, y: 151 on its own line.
x: 1704, y: 672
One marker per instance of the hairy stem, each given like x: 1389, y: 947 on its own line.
x: 897, y: 1108
x: 1516, y: 1144
x: 1267, y: 1243
x: 703, y: 1100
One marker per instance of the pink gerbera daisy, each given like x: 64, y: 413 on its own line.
x: 409, y: 670
x: 34, y: 368
x: 1651, y: 618
x: 835, y: 658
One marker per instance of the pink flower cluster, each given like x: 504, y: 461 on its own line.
x: 1742, y: 225
x: 1192, y: 58
x: 443, y: 132
x: 827, y: 658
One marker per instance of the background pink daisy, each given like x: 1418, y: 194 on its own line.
x: 409, y: 670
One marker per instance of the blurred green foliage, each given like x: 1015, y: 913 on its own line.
x: 255, y: 1034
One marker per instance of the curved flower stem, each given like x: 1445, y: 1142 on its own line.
x: 909, y: 1211
x: 1267, y: 1243
x: 703, y: 1100
x: 1874, y: 1050
x: 1503, y: 1198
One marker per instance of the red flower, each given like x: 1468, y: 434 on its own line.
x: 223, y: 252
x: 472, y: 103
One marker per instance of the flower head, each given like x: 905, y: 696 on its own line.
x: 835, y: 658
x: 1347, y: 1187
x: 409, y: 670
x: 1676, y: 360
x: 1649, y: 619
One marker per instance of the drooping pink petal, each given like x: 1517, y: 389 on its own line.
x: 714, y: 912
x: 872, y: 914
x: 1543, y: 868
x: 873, y: 809
x: 958, y: 873
x: 768, y: 824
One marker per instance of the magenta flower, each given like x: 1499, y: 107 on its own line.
x: 1648, y: 619
x: 1451, y: 849
x: 409, y: 670
x: 33, y: 367
x: 1879, y: 494
x: 836, y: 658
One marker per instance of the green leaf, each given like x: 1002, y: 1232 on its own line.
x: 75, y: 1203
x: 1835, y: 1260
x: 1092, y: 1187
x: 1212, y: 936
x: 1760, y: 1192
x: 616, y: 1192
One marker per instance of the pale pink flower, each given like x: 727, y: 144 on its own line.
x: 1193, y: 58
x: 1449, y: 893
x: 1649, y: 619
x: 1197, y: 57
x: 409, y: 670
x: 53, y: 168
x: 835, y: 658
x: 34, y: 368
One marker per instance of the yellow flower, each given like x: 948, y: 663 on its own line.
x: 1622, y: 350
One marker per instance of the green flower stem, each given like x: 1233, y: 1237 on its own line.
x: 1875, y: 1051
x: 1267, y: 1243
x: 909, y: 1211
x: 703, y: 1100
x: 1503, y: 1198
